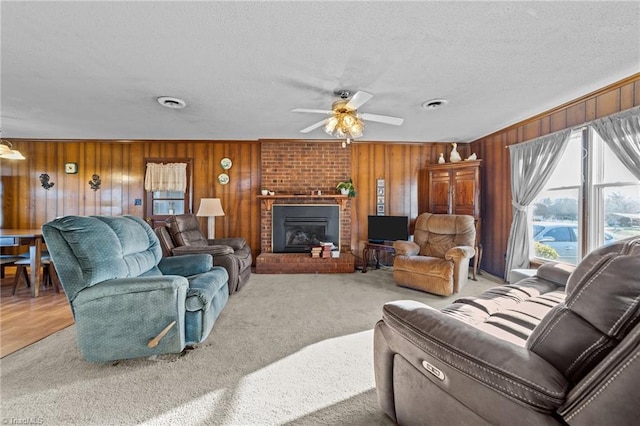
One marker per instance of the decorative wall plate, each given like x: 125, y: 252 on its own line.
x: 226, y: 163
x: 223, y: 178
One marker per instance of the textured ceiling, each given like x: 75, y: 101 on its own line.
x: 92, y: 70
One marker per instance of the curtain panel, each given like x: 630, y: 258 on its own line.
x: 166, y: 177
x: 532, y: 164
x: 621, y: 132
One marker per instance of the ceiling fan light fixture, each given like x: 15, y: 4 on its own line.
x: 344, y: 123
x: 330, y: 125
x: 349, y: 121
x: 356, y: 129
x: 7, y: 151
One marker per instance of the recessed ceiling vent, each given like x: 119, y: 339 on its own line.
x: 434, y: 103
x: 171, y: 102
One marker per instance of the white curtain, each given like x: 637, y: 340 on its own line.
x: 532, y: 164
x: 166, y: 177
x: 621, y: 132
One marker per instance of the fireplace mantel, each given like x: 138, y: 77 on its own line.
x: 268, y: 200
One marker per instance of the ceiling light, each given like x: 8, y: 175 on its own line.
x: 7, y: 151
x: 345, y: 122
x: 171, y: 102
x: 434, y: 103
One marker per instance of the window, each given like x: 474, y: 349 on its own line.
x: 590, y: 200
x: 162, y: 203
x: 168, y: 202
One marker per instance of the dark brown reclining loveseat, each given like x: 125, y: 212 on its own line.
x: 182, y: 235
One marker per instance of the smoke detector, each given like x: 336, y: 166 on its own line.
x: 434, y: 103
x: 171, y: 102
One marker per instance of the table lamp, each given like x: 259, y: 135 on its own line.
x: 210, y: 208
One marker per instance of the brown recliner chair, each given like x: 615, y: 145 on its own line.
x: 437, y: 261
x: 529, y: 353
x: 182, y: 235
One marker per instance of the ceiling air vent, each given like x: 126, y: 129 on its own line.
x: 171, y: 102
x: 434, y: 103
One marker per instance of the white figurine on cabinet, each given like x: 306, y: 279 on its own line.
x: 441, y: 160
x: 472, y: 157
x: 454, y: 157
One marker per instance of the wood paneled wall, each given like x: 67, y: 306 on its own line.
x: 120, y: 165
x: 402, y: 167
x: 25, y: 204
x: 496, y: 175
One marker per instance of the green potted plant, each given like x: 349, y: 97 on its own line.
x: 347, y: 188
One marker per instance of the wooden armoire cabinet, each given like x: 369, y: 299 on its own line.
x: 454, y: 188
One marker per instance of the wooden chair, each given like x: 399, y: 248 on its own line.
x: 49, y: 276
x: 7, y: 260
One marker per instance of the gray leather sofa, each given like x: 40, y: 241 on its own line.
x: 559, y: 348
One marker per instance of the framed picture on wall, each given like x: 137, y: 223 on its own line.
x: 380, y: 183
x: 380, y: 209
x: 381, y: 191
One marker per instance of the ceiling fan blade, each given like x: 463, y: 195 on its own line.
x: 318, y: 111
x: 359, y: 99
x: 313, y: 126
x: 386, y: 119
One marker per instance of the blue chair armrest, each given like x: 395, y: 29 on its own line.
x: 125, y: 286
x: 186, y: 265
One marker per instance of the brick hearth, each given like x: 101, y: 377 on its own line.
x: 302, y: 263
x: 290, y: 168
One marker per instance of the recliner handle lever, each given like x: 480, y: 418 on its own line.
x: 154, y: 342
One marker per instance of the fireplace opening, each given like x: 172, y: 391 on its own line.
x: 296, y: 228
x: 301, y: 233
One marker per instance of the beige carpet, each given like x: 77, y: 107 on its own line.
x: 287, y: 349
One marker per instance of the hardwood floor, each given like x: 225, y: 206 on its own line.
x: 24, y: 320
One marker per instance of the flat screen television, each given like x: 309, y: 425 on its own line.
x: 388, y: 228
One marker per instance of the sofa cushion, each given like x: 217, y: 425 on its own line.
x: 185, y: 230
x: 100, y: 248
x: 203, y: 288
x: 578, y: 334
x: 424, y: 265
x: 509, y: 312
x: 437, y: 233
x: 187, y: 265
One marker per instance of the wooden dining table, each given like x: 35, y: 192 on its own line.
x: 33, y: 238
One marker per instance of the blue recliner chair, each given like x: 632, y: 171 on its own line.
x: 128, y: 301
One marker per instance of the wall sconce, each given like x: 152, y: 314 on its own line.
x: 210, y: 208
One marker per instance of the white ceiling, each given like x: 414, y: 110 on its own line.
x: 92, y: 70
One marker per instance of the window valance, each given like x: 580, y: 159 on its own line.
x: 166, y: 177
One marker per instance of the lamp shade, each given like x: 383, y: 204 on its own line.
x: 210, y: 207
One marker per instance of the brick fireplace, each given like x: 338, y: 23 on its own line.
x: 295, y: 172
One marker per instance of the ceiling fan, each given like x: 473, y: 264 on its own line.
x: 344, y: 120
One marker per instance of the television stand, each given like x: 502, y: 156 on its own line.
x: 375, y: 249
